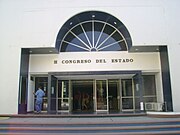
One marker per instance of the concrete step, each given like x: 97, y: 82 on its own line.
x: 122, y: 133
x: 94, y: 128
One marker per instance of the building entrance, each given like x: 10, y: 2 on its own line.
x: 82, y: 96
x: 124, y: 93
x: 94, y: 95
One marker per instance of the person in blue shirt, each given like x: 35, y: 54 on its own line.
x: 39, y: 99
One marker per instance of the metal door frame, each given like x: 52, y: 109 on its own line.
x: 107, y: 101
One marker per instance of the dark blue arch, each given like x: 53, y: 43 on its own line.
x: 86, y: 16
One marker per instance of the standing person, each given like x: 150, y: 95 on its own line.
x: 39, y: 99
x: 85, y: 101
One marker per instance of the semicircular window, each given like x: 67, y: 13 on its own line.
x: 94, y: 34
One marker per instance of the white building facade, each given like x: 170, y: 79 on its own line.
x: 89, y: 57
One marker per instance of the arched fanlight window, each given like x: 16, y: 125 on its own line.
x: 93, y: 31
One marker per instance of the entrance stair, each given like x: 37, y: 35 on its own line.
x: 132, y: 125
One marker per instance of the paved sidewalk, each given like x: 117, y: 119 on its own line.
x: 84, y: 120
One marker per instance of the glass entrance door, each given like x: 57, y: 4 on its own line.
x: 43, y: 83
x: 63, y: 95
x: 131, y: 91
x: 82, y: 96
x: 113, y: 95
x: 101, y: 95
x: 127, y: 93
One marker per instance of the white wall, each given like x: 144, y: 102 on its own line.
x: 36, y: 23
x: 173, y: 39
x: 9, y: 80
x: 33, y: 23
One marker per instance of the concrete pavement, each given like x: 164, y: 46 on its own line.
x: 66, y: 120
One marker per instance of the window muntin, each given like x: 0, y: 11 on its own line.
x: 93, y: 35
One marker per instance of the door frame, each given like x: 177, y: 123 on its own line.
x: 127, y: 97
x: 107, y: 101
x: 134, y: 79
x: 66, y: 98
